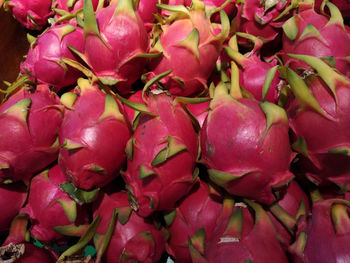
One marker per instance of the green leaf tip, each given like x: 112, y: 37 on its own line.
x: 302, y: 92
x: 111, y: 109
x: 191, y: 42
x: 172, y: 148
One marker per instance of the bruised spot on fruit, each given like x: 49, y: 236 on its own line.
x: 210, y: 149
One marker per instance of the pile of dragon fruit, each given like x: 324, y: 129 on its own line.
x: 178, y: 131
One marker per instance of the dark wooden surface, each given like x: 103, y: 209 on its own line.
x: 13, y: 46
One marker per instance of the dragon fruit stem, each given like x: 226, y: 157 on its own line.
x: 235, y: 90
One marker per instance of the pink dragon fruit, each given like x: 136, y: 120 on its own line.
x: 343, y: 6
x: 17, y: 248
x: 200, y: 209
x: 93, y: 136
x: 49, y: 208
x: 200, y: 111
x: 254, y: 71
x: 251, y: 155
x: 29, y: 123
x: 33, y: 15
x: 72, y: 6
x: 243, y: 233
x: 146, y: 9
x: 321, y: 110
x: 188, y: 40
x: 12, y: 198
x: 161, y: 155
x: 44, y: 60
x: 308, y: 33
x: 116, y: 43
x: 122, y: 235
x: 327, y: 235
x: 288, y: 212
x: 263, y: 18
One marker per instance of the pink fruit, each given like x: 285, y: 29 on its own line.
x: 250, y: 155
x: 326, y: 237
x: 94, y: 134
x: 116, y: 44
x: 308, y: 33
x: 200, y: 111
x: 321, y: 110
x: 72, y: 5
x: 189, y: 41
x: 51, y: 209
x: 243, y: 233
x: 161, y: 155
x: 343, y: 5
x: 262, y: 18
x: 17, y: 248
x: 31, y: 14
x: 130, y: 238
x: 199, y: 209
x: 44, y: 61
x: 253, y: 71
x: 288, y: 212
x: 29, y: 123
x: 12, y: 198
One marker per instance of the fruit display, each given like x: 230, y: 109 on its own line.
x: 186, y: 131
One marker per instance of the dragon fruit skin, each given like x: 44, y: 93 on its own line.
x: 343, y: 6
x: 31, y: 14
x: 253, y: 70
x: 134, y: 238
x: 188, y: 41
x: 72, y: 6
x: 44, y: 57
x: 288, y: 212
x: 115, y: 49
x: 200, y: 111
x: 48, y: 207
x: 159, y: 144
x: 327, y: 234
x: 251, y: 155
x: 31, y: 254
x: 309, y: 33
x: 29, y: 123
x: 199, y: 209
x: 256, y: 18
x: 321, y: 112
x: 93, y: 135
x: 239, y: 237
x: 12, y: 198
x: 16, y: 247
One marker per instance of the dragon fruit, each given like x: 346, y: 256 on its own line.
x: 44, y: 63
x: 200, y: 209
x: 72, y: 6
x: 243, y: 233
x: 327, y: 234
x: 263, y: 18
x: 200, y: 111
x: 93, y: 136
x: 309, y: 33
x: 253, y: 71
x: 116, y: 44
x: 161, y: 155
x: 49, y: 208
x: 17, y: 248
x: 251, y: 155
x: 12, y: 198
x: 29, y: 123
x: 33, y: 15
x: 188, y: 40
x: 123, y: 236
x: 288, y: 212
x: 343, y: 5
x: 321, y: 110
